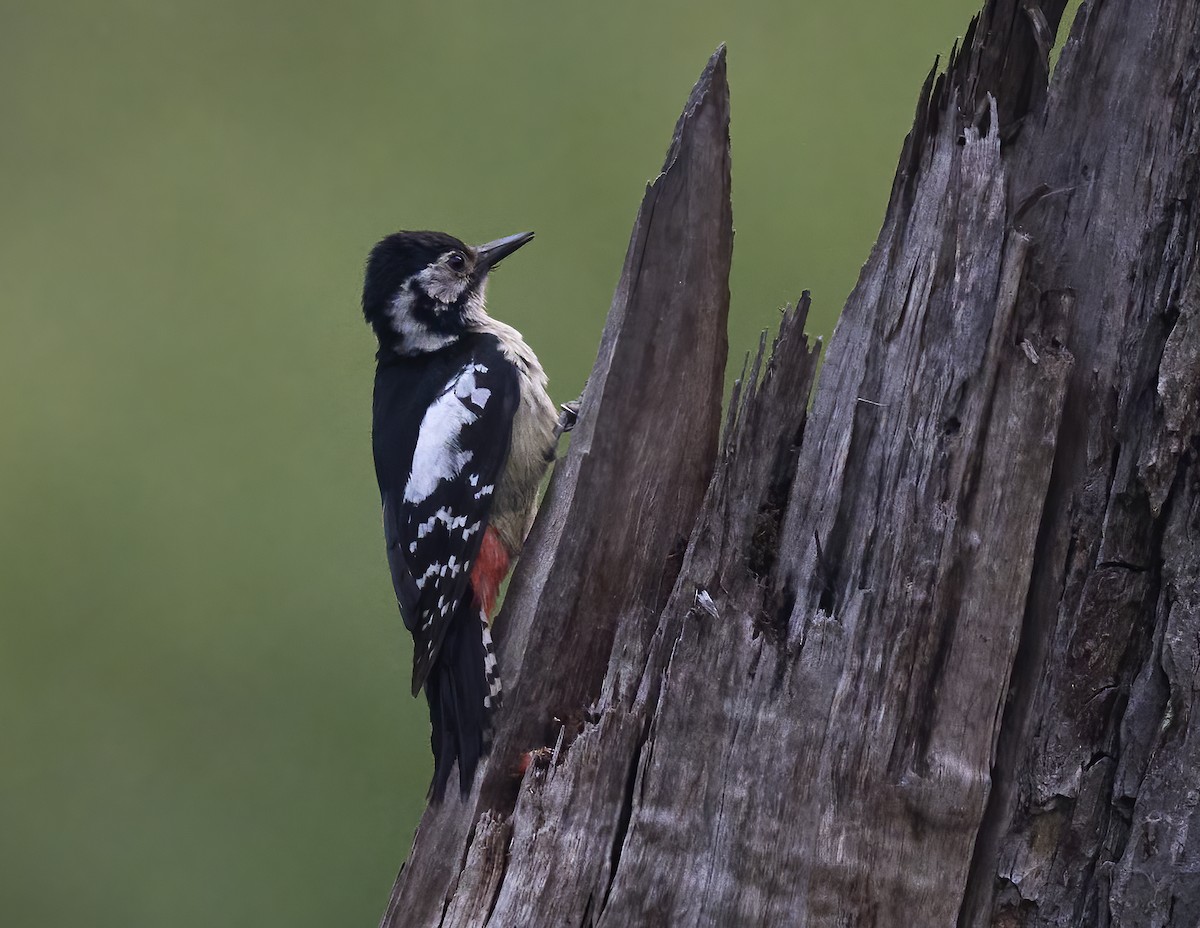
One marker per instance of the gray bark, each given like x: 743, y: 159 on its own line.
x: 925, y: 654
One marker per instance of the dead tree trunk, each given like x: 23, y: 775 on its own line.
x: 927, y: 653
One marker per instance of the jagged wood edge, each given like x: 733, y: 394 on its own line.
x: 624, y: 496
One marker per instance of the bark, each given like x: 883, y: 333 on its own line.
x: 925, y: 654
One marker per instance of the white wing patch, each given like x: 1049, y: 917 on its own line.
x: 438, y: 455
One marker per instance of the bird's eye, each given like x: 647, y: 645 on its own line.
x: 456, y: 262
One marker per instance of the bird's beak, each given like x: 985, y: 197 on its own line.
x: 489, y: 255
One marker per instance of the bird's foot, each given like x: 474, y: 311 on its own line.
x: 568, y: 415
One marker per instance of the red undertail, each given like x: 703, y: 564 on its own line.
x: 491, y: 567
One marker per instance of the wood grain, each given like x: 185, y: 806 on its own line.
x: 926, y: 653
x: 610, y: 536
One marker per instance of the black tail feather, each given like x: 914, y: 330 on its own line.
x: 457, y: 690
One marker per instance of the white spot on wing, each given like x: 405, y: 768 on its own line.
x: 430, y: 571
x: 465, y: 388
x: 443, y: 515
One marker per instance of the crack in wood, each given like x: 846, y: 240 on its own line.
x: 952, y: 610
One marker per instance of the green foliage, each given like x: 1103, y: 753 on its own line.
x: 203, y: 678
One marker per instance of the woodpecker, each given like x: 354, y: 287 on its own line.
x: 462, y: 432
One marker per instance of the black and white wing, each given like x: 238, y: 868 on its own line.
x: 434, y: 521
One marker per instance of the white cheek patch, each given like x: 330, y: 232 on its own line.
x: 442, y: 284
x: 400, y: 309
x: 415, y: 338
x: 438, y: 455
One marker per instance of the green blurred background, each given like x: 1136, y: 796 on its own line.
x: 203, y: 679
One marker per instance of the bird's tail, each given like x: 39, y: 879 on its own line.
x: 462, y: 688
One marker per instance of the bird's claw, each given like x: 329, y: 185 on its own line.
x: 568, y: 415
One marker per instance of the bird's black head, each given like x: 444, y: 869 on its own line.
x: 424, y: 289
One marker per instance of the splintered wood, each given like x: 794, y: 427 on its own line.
x: 926, y: 653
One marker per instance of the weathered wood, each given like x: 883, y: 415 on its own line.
x: 931, y: 652
x: 1096, y: 775
x: 611, y: 532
